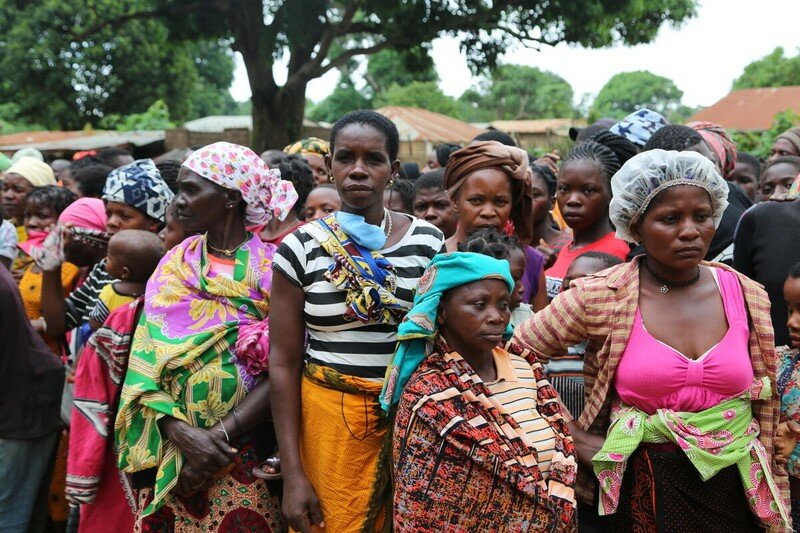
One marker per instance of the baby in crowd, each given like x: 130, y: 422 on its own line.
x: 132, y: 258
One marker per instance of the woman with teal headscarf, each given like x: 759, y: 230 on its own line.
x: 480, y: 439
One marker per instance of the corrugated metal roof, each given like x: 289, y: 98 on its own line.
x: 416, y: 124
x: 543, y: 125
x: 219, y: 123
x: 751, y: 109
x: 77, y: 140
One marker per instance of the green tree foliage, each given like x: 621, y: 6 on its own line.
x: 393, y: 67
x: 515, y: 92
x: 155, y: 118
x: 63, y: 80
x: 315, y: 36
x: 10, y: 121
x: 344, y: 98
x: 627, y: 91
x: 425, y: 95
x: 772, y: 70
x: 759, y: 143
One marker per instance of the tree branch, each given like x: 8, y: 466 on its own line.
x: 342, y: 28
x: 170, y: 10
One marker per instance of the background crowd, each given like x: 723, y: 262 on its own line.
x: 325, y: 337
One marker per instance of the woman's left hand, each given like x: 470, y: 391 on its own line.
x: 190, y: 482
x: 786, y: 438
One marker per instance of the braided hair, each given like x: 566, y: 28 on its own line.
x: 595, y: 153
x: 622, y: 147
x: 546, y: 175
x: 491, y: 242
x: 52, y: 197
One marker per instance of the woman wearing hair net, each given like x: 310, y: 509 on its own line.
x: 680, y: 415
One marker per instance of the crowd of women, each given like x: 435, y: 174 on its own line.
x: 323, y: 338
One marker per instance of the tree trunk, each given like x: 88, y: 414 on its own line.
x: 277, y: 116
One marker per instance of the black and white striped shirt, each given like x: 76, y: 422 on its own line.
x: 353, y: 347
x: 82, y: 300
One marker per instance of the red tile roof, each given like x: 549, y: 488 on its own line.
x: 751, y: 109
x: 416, y: 124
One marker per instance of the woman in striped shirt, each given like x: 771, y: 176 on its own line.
x: 348, y: 280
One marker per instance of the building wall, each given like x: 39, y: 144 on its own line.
x: 182, y: 138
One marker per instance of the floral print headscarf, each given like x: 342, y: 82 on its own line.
x: 239, y: 168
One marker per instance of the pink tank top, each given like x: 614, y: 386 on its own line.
x: 652, y: 375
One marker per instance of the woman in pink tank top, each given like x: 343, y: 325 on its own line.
x: 680, y: 417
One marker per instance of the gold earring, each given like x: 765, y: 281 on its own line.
x: 391, y: 182
x: 330, y: 178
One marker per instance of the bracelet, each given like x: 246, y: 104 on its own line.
x: 237, y: 421
x: 227, y: 438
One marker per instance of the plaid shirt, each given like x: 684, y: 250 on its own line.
x: 601, y: 308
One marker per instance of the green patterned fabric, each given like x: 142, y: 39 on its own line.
x: 713, y: 439
x: 182, y: 362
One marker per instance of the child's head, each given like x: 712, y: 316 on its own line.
x: 321, y: 202
x: 778, y: 176
x: 133, y: 255
x: 791, y: 293
x: 43, y: 205
x: 173, y: 232
x: 489, y: 241
x: 399, y: 196
x: 587, y: 264
x: 432, y: 204
x: 584, y: 185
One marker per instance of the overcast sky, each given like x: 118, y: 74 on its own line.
x: 702, y: 58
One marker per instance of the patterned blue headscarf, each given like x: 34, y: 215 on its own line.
x: 445, y: 272
x: 639, y: 126
x: 139, y: 185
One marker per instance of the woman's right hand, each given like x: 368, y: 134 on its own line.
x: 300, y: 504
x: 206, y: 451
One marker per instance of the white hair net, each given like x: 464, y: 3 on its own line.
x: 645, y: 175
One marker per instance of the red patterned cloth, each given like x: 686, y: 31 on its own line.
x: 462, y: 462
x: 93, y: 478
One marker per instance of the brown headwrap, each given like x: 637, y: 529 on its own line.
x: 793, y: 136
x: 511, y: 160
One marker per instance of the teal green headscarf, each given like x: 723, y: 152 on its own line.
x: 445, y: 272
x: 5, y: 162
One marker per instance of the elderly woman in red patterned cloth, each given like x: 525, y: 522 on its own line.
x: 480, y: 440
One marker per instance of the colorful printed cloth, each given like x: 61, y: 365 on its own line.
x: 639, y: 126
x: 366, y: 277
x: 235, y: 167
x: 445, y: 272
x: 713, y: 439
x: 462, y: 462
x: 234, y: 503
x: 309, y: 145
x: 789, y: 391
x: 183, y: 361
x: 343, y: 431
x: 139, y: 185
x: 93, y: 479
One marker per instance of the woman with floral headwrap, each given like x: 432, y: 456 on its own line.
x: 196, y: 394
x: 680, y: 418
